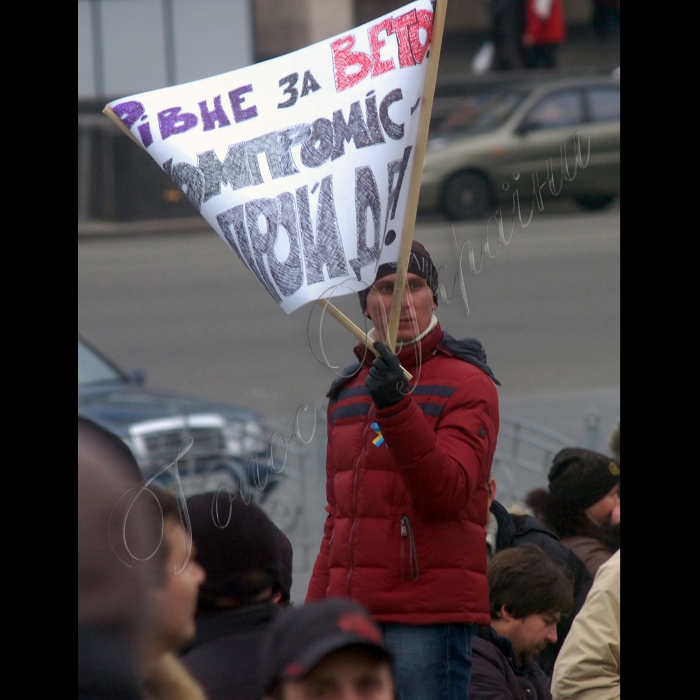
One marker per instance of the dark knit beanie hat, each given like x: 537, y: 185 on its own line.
x: 285, y: 557
x: 230, y: 551
x: 580, y: 478
x: 420, y: 263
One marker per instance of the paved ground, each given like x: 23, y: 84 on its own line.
x: 183, y: 308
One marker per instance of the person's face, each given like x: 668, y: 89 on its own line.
x: 177, y: 599
x: 602, y: 511
x: 416, y: 310
x: 530, y: 635
x: 492, y: 491
x: 348, y: 674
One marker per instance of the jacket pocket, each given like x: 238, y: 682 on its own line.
x: 409, y: 553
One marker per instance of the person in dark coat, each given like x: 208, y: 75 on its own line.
x: 248, y: 562
x: 507, y: 31
x: 582, y: 505
x: 545, y: 32
x: 506, y: 530
x: 528, y: 593
x: 115, y: 601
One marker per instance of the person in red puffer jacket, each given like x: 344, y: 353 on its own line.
x: 545, y: 31
x: 407, y: 485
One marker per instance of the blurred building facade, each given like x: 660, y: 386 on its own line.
x: 131, y: 46
x: 283, y: 26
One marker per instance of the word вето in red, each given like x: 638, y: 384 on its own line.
x: 352, y: 67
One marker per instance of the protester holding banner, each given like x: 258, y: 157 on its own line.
x: 407, y: 474
x: 308, y: 166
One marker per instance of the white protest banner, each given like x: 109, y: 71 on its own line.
x: 301, y: 163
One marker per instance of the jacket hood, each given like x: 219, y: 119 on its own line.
x: 470, y: 350
x: 511, y: 526
x: 216, y: 626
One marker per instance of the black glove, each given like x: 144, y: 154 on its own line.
x: 386, y: 382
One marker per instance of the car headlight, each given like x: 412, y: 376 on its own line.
x: 244, y: 438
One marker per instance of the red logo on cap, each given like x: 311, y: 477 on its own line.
x: 356, y: 623
x: 294, y: 670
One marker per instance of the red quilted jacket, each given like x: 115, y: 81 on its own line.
x: 405, y: 529
x: 546, y: 31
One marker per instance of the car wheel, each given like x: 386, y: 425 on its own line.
x: 595, y: 202
x: 467, y: 196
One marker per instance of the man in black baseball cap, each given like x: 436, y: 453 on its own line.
x: 327, y: 649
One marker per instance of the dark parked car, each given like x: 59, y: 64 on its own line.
x: 154, y: 424
x: 492, y: 144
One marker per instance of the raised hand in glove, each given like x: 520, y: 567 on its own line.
x: 386, y: 381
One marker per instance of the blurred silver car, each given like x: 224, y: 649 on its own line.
x: 481, y: 155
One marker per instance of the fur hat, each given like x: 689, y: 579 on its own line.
x: 615, y: 442
x: 580, y: 478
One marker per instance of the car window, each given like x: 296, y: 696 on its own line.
x: 604, y: 103
x: 557, y: 110
x: 483, y: 113
x: 92, y: 369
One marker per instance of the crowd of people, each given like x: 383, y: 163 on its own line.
x: 529, y: 33
x: 425, y: 586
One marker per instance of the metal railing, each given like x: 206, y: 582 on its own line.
x: 523, y: 458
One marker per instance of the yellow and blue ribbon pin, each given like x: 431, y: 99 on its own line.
x: 379, y: 440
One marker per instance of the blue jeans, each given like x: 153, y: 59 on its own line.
x: 431, y: 662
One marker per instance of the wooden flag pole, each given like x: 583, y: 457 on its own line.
x: 417, y: 172
x: 336, y: 313
x: 344, y: 321
x: 109, y: 112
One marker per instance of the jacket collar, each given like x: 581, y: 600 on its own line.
x: 470, y: 350
x: 532, y: 672
x: 503, y: 645
x: 410, y: 355
x: 511, y: 526
x: 506, y: 528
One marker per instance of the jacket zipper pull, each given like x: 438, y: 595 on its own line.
x: 407, y: 531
